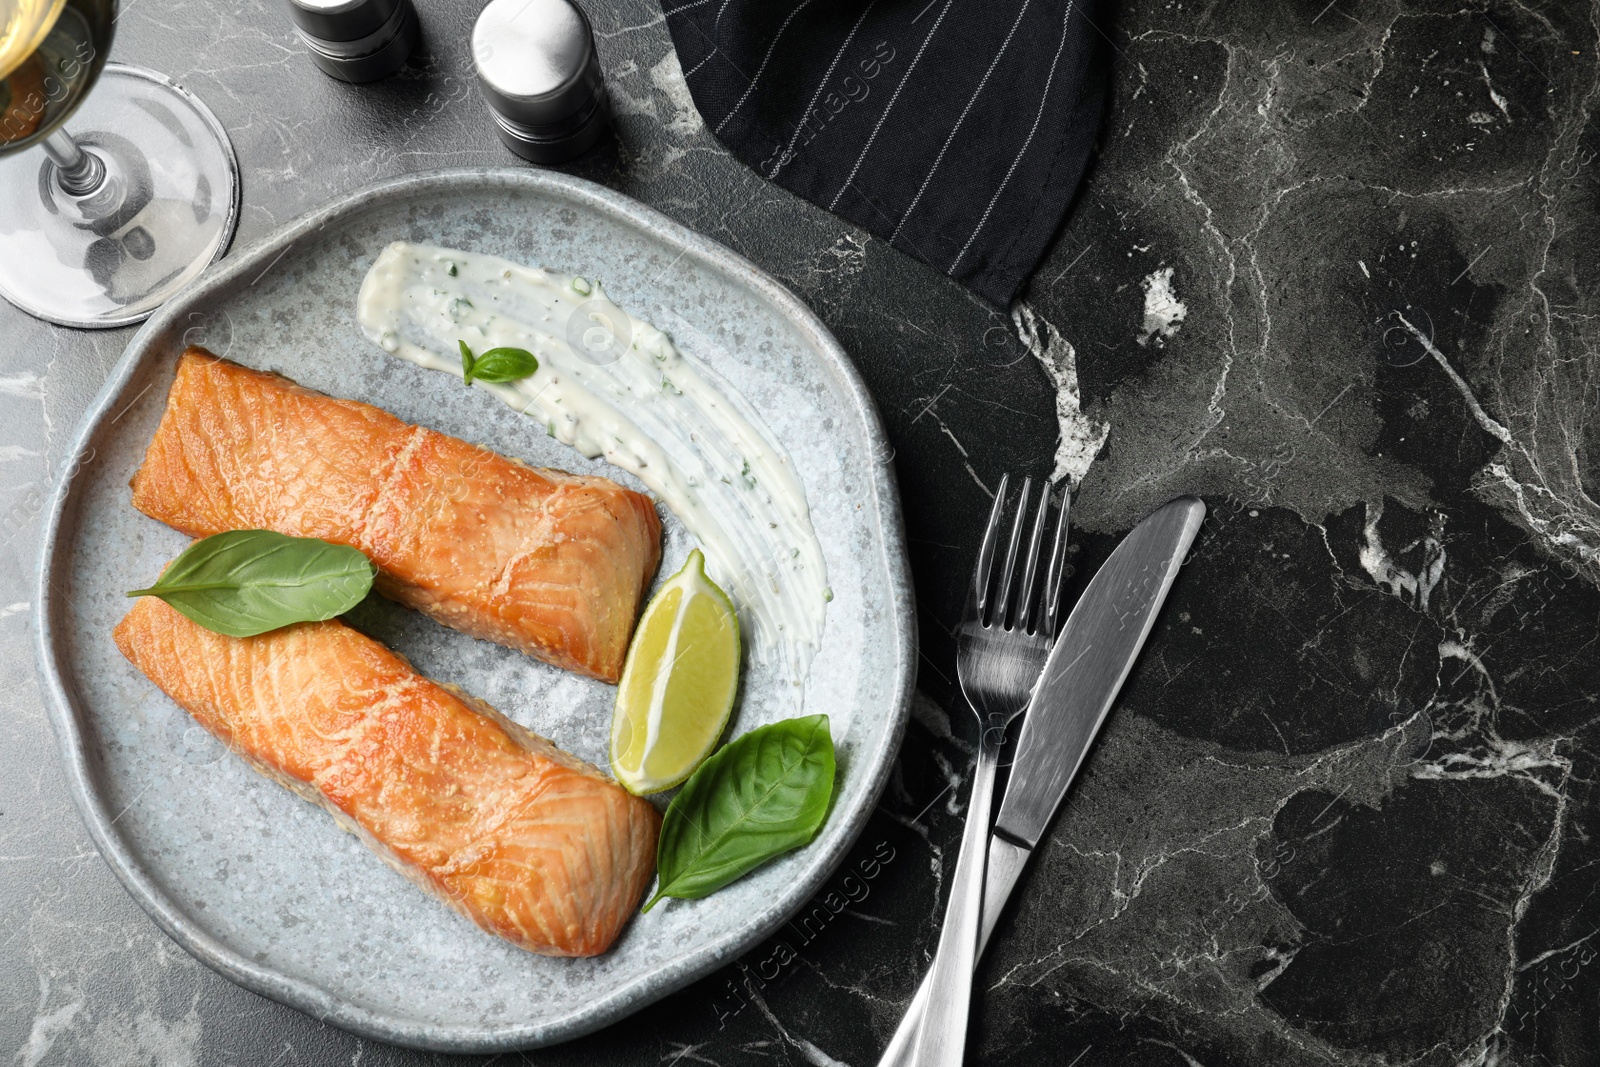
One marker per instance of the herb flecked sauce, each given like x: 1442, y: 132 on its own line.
x: 614, y: 386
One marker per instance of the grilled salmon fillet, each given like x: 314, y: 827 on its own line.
x: 528, y: 842
x: 549, y: 563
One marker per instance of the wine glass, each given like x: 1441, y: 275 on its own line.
x: 99, y: 229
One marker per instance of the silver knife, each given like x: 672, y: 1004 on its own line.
x: 1090, y: 661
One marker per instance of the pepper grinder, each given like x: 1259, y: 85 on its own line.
x: 540, y: 75
x: 356, y: 40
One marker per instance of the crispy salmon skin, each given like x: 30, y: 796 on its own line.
x: 549, y: 563
x: 528, y: 842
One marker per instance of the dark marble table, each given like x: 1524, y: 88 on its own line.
x: 1335, y: 269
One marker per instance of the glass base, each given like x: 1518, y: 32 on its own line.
x: 166, y: 211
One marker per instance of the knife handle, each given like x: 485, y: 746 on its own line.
x: 1006, y: 861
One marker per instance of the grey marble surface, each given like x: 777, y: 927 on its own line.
x: 1334, y: 268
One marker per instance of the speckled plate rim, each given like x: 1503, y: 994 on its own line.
x: 81, y: 759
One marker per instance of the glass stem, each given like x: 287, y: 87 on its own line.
x: 79, y: 173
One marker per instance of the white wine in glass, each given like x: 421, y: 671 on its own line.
x: 99, y: 229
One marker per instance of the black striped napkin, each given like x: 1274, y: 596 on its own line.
x: 956, y: 131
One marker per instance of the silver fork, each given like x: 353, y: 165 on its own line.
x: 1001, y: 649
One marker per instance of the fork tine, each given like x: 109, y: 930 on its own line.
x: 980, y: 574
x: 1011, y: 555
x: 1030, y: 569
x: 1058, y: 554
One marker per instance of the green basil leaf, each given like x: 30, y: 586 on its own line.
x: 760, y: 796
x: 502, y: 365
x: 467, y: 361
x: 247, y: 582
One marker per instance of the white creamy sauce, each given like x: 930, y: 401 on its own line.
x: 614, y: 386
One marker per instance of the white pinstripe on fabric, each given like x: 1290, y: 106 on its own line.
x: 788, y: 150
x: 1043, y: 98
x: 716, y: 22
x: 684, y: 7
x: 890, y: 107
x: 993, y: 63
x: 748, y: 89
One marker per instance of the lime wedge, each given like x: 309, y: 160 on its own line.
x: 678, y: 683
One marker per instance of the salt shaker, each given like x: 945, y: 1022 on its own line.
x: 541, y: 77
x: 356, y: 40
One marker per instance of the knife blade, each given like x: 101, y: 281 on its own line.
x: 1091, y: 659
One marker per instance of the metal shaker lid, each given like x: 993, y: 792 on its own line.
x: 344, y: 20
x: 536, y: 61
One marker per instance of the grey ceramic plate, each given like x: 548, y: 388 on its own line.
x: 264, y: 887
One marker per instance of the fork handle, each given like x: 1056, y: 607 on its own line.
x: 942, y: 1038
x: 1006, y: 861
